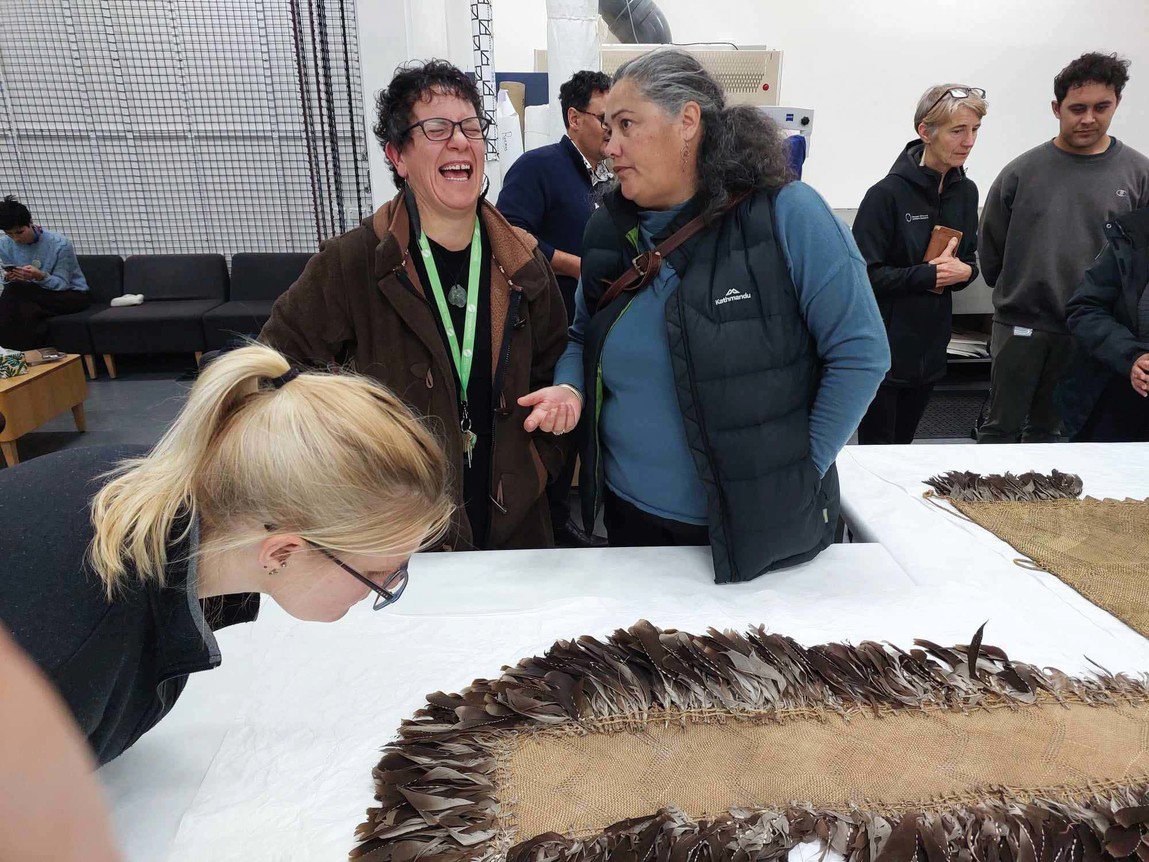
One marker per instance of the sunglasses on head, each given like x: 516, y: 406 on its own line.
x: 958, y: 93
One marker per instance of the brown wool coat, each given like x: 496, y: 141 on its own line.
x: 353, y: 307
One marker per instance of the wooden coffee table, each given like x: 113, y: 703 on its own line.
x: 30, y: 400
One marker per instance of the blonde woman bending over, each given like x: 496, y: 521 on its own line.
x: 117, y: 565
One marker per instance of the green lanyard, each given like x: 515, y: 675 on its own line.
x: 462, y: 355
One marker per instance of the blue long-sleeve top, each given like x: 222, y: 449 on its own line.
x: 57, y: 260
x: 646, y: 457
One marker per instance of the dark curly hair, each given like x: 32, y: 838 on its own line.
x: 1093, y: 68
x: 579, y: 90
x: 13, y: 213
x: 414, y: 82
x: 742, y: 149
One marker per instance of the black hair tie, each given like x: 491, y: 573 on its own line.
x: 286, y: 377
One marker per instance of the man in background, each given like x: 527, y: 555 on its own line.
x: 42, y: 278
x: 1105, y: 394
x: 1042, y: 225
x: 549, y: 192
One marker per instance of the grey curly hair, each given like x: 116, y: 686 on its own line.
x: 935, y: 107
x: 741, y: 150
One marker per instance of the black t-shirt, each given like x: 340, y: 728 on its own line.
x: 454, y: 268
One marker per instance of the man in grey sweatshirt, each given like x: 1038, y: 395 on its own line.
x: 1042, y: 224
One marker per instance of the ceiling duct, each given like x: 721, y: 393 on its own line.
x: 635, y: 21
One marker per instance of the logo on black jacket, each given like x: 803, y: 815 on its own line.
x: 910, y: 217
x: 732, y: 295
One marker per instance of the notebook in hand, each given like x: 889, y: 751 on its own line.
x: 939, y: 239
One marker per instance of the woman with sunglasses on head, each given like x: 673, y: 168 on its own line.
x: 118, y: 565
x: 926, y: 187
x: 451, y: 307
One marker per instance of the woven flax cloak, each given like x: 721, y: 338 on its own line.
x: 1100, y: 548
x: 661, y: 745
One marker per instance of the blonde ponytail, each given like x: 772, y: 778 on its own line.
x: 337, y: 459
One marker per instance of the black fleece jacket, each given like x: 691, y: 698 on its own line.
x: 892, y: 230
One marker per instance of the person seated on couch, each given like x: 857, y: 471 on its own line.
x: 42, y: 278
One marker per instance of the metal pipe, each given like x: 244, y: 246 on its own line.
x: 635, y: 21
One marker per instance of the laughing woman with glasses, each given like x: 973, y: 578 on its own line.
x: 926, y: 188
x: 118, y: 565
x: 438, y: 297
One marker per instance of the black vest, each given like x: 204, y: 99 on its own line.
x: 746, y: 371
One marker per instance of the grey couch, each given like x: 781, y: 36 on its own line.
x: 178, y: 290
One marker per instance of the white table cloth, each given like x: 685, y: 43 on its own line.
x: 882, y: 488
x: 270, y: 756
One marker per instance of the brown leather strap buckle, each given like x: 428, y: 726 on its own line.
x: 643, y: 270
x: 645, y: 267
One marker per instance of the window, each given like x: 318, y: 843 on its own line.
x: 184, y: 126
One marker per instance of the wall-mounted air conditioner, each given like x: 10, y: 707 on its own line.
x: 750, y: 74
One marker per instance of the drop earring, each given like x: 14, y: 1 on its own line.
x: 685, y: 156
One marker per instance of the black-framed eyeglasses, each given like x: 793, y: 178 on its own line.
x: 393, y: 584
x: 442, y: 129
x: 600, y: 117
x: 387, y: 594
x: 957, y: 93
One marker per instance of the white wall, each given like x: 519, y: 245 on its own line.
x: 862, y: 67
x: 382, y: 47
x: 392, y: 32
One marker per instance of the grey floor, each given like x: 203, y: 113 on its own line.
x: 141, y: 403
x: 136, y: 408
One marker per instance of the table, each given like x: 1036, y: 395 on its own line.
x: 882, y: 501
x: 270, y: 756
x: 30, y: 400
x: 882, y: 486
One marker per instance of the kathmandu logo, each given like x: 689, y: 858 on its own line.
x: 732, y: 295
x: 913, y: 218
